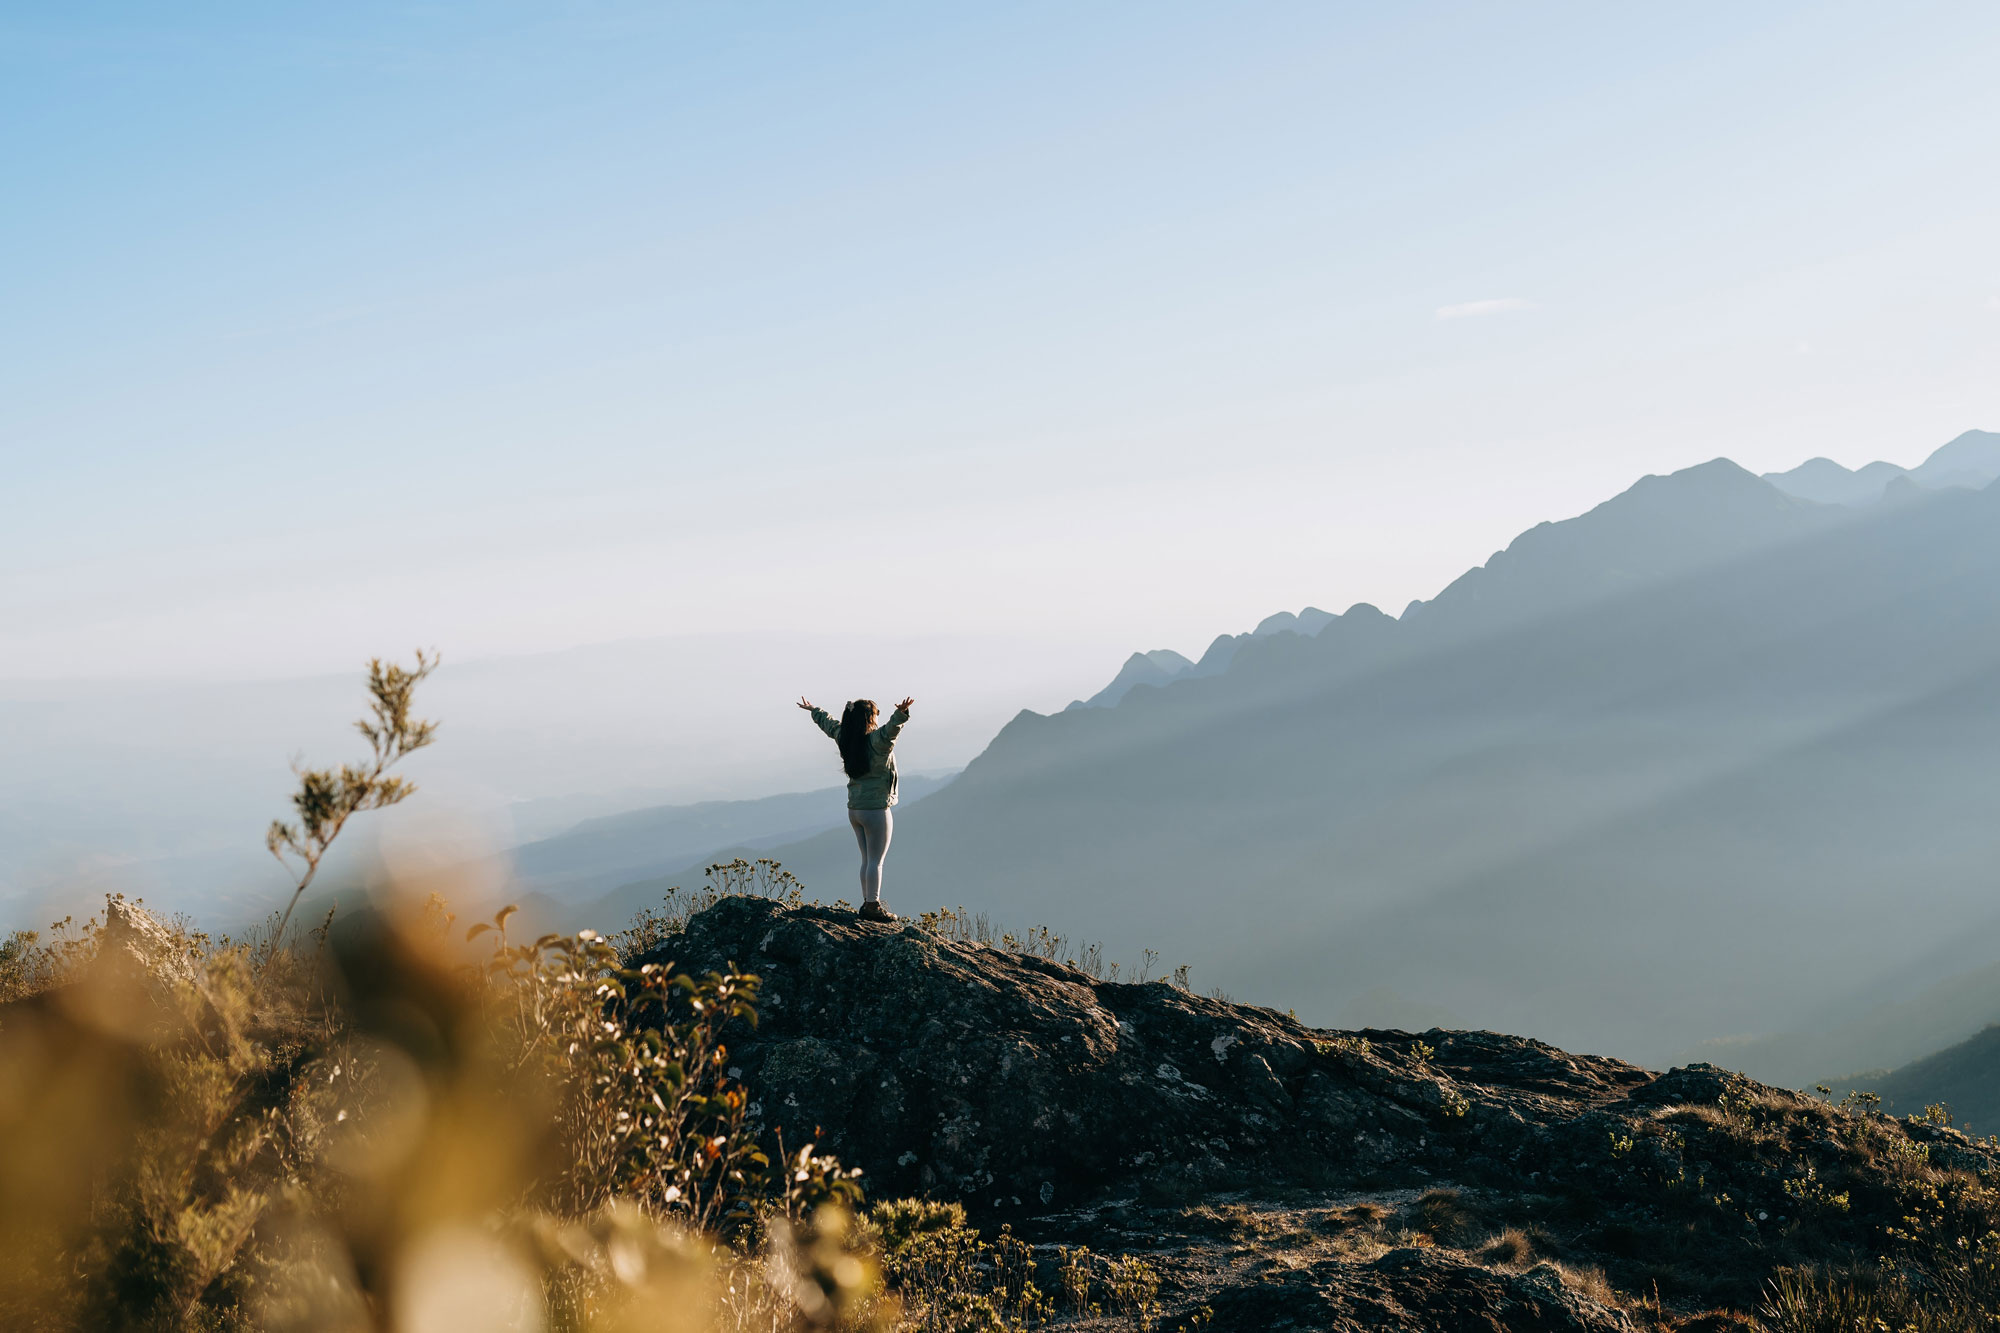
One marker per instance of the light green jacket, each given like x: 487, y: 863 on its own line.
x: 876, y: 789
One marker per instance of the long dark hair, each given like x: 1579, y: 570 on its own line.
x: 855, y: 722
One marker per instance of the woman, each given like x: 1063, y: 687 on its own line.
x: 868, y: 753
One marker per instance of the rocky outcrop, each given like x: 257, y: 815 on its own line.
x: 135, y: 946
x: 1074, y: 1107
x: 143, y: 982
x: 1018, y: 1083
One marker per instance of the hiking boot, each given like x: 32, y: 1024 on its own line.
x: 876, y: 912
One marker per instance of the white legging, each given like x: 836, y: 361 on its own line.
x: 871, y: 834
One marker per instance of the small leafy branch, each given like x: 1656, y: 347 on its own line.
x: 328, y: 798
x: 1345, y: 1046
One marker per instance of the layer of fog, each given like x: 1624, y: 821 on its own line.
x: 164, y: 790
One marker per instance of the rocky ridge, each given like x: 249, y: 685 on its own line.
x: 1284, y: 1176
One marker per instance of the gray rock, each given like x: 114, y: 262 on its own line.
x: 1014, y: 1084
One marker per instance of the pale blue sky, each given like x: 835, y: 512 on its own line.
x: 328, y: 329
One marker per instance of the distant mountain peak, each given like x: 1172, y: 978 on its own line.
x: 1717, y: 467
x: 1664, y: 526
x: 1166, y: 659
x: 1661, y: 527
x: 1307, y: 622
x: 1162, y: 665
x: 1717, y: 476
x: 1155, y: 667
x: 1972, y: 459
x: 1984, y: 443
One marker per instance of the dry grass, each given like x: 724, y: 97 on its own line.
x: 1590, y: 1283
x: 1509, y: 1249
x: 1448, y: 1219
x: 739, y: 878
x: 963, y: 927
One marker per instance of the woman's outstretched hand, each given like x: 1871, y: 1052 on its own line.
x: 905, y: 705
x: 805, y: 703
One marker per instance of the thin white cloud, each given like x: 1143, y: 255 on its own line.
x: 1474, y: 309
x: 1993, y: 303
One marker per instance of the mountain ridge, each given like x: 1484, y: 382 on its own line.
x: 1972, y: 459
x: 1963, y: 1078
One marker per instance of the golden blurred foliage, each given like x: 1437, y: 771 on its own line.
x: 378, y: 1129
x: 390, y: 1124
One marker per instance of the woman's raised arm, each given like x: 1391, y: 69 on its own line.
x: 889, y: 729
x: 819, y: 717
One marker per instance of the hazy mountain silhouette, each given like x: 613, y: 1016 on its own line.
x: 1154, y: 668
x: 1964, y: 1077
x: 1972, y: 460
x: 1888, y: 1017
x: 1688, y: 766
x: 1661, y: 528
x: 600, y: 854
x: 1309, y: 621
x: 1826, y: 482
x: 1162, y: 665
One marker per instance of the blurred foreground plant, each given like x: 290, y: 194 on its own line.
x: 375, y: 1127
x: 383, y: 1134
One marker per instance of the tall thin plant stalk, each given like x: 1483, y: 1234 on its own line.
x: 328, y: 798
